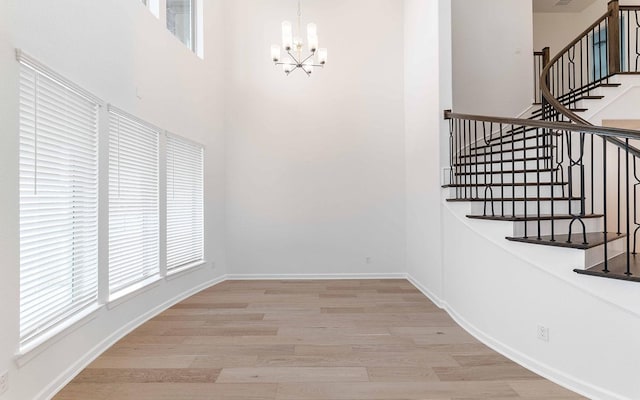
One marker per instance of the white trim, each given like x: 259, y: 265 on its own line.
x: 428, y: 293
x: 179, y: 271
x: 285, y: 277
x: 179, y: 137
x: 66, y: 376
x: 132, y: 291
x: 123, y: 114
x: 563, y: 379
x: 36, y: 65
x: 43, y: 342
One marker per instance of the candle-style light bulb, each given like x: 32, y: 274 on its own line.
x: 312, y: 36
x: 322, y: 56
x: 275, y: 53
x: 287, y: 35
x: 308, y: 66
x: 287, y: 67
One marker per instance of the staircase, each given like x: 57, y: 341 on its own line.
x: 558, y: 180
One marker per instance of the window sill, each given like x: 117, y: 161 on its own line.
x: 127, y: 294
x: 36, y: 347
x: 178, y: 272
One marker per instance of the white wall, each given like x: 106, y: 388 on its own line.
x: 316, y: 165
x: 427, y: 71
x: 492, y: 57
x: 110, y: 48
x: 556, y: 30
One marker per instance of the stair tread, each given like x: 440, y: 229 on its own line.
x: 617, y: 267
x: 511, y: 199
x: 593, y: 239
x: 523, y: 218
x: 498, y: 184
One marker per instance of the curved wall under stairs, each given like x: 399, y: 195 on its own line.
x: 502, y: 291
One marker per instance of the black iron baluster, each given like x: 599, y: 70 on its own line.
x: 635, y: 205
x: 538, y: 182
x: 475, y: 151
x: 626, y: 149
x: 604, y: 202
x: 592, y: 163
x: 637, y: 41
x: 619, y: 177
x: 451, y: 160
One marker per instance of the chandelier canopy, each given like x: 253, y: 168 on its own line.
x: 293, y: 45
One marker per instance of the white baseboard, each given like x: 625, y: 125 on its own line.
x: 565, y: 380
x: 428, y: 293
x: 65, y: 377
x: 284, y: 277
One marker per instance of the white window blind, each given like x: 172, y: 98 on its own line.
x: 58, y: 201
x: 133, y: 201
x: 185, y: 181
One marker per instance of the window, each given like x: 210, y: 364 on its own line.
x: 153, y: 6
x: 133, y: 201
x: 181, y: 21
x: 58, y: 200
x: 599, y: 68
x: 185, y: 225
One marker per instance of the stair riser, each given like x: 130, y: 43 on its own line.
x: 530, y: 165
x: 518, y: 143
x: 502, y: 178
x: 507, y: 192
x: 595, y: 255
x: 508, y: 156
x: 560, y: 227
x: 560, y: 207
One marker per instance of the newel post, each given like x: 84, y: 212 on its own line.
x: 613, y: 37
x: 546, y: 57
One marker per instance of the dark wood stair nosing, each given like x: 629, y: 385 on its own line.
x: 528, y: 218
x: 617, y: 268
x: 509, y: 172
x: 516, y: 199
x: 576, y: 240
x: 499, y: 184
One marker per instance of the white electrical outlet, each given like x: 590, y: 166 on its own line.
x: 4, y: 382
x: 543, y: 333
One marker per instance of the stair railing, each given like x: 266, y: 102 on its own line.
x: 610, y: 46
x: 542, y: 173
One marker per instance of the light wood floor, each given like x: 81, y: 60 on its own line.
x: 297, y: 340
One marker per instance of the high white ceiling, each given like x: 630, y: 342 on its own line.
x: 561, y: 6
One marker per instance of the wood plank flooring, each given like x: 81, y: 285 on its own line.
x: 297, y: 340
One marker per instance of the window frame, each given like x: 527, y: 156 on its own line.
x: 57, y: 130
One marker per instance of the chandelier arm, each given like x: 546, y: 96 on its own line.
x: 310, y: 55
x: 294, y: 58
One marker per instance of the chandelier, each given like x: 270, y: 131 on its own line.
x: 293, y: 45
